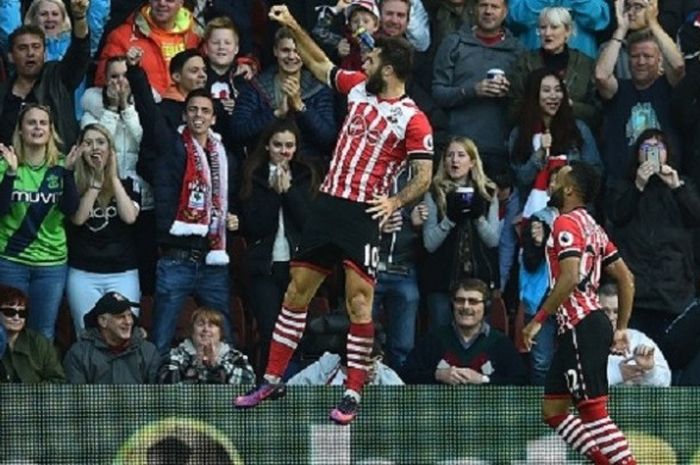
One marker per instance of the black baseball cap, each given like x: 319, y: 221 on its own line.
x: 112, y: 303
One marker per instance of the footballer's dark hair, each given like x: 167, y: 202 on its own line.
x: 396, y: 52
x: 586, y: 180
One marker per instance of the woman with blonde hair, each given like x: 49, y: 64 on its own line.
x: 462, y: 229
x: 37, y: 191
x: 102, y: 250
x: 555, y: 28
x: 51, y: 16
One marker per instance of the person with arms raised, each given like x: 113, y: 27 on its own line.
x: 383, y: 130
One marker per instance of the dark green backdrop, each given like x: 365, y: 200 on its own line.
x: 403, y: 425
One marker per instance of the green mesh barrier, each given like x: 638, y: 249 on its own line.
x: 139, y: 425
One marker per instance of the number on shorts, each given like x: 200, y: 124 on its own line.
x: 371, y: 256
x: 572, y: 380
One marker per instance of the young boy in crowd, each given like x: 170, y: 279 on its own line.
x: 362, y: 22
x: 226, y: 72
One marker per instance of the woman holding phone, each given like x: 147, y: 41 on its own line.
x: 462, y: 230
x: 651, y: 212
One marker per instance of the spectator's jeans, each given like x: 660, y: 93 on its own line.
x: 178, y: 279
x: 84, y: 289
x: 542, y: 350
x: 44, y: 288
x: 439, y: 309
x: 396, y: 299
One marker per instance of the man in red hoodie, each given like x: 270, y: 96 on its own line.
x: 162, y: 28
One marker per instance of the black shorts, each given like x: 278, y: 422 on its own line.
x: 339, y: 230
x: 580, y: 364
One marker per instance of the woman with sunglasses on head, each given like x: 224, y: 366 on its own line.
x: 102, y: 253
x: 37, y: 191
x: 652, y: 213
x: 29, y: 357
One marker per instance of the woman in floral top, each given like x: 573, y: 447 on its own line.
x: 204, y: 358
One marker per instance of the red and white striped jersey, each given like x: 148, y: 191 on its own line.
x: 376, y: 139
x: 576, y: 234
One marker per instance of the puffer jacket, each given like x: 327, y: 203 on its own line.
x: 260, y: 215
x: 92, y: 361
x: 126, y: 131
x: 139, y: 31
x: 256, y: 105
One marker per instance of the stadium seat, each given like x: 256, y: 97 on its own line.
x: 239, y: 275
x: 499, y: 315
x: 241, y: 324
x: 318, y: 306
x: 518, y: 326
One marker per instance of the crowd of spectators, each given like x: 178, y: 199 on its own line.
x: 162, y: 150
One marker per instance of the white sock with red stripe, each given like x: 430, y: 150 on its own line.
x: 359, y: 348
x: 574, y: 433
x: 285, y: 338
x: 605, y: 432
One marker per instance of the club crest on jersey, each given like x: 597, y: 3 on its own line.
x: 52, y: 182
x: 565, y: 238
x: 428, y: 142
x: 395, y: 115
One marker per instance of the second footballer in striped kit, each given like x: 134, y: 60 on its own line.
x: 578, y: 250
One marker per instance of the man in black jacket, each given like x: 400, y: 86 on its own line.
x: 47, y: 83
x: 191, y: 173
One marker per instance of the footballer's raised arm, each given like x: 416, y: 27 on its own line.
x: 311, y: 54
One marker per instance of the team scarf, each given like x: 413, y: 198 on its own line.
x: 538, y: 197
x: 203, y: 203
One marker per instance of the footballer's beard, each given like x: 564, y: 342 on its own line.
x: 556, y: 200
x: 375, y: 84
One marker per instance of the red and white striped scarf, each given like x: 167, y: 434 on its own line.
x: 203, y: 202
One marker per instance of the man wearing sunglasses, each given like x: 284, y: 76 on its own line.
x: 468, y: 350
x: 29, y: 357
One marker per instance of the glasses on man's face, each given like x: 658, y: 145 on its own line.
x: 11, y: 312
x: 467, y: 301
